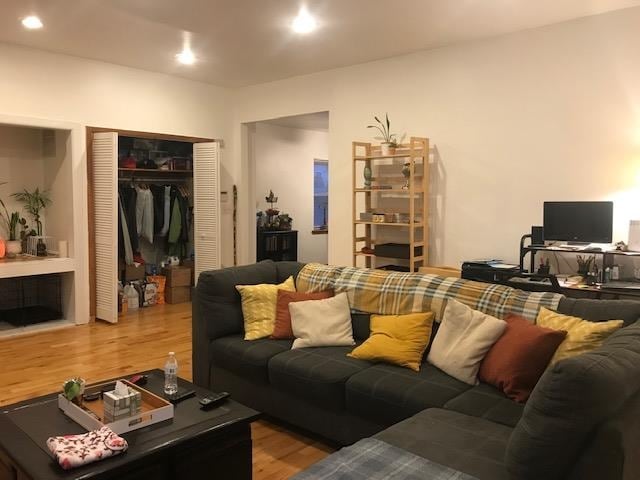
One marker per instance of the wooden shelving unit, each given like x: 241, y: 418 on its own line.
x: 387, y: 171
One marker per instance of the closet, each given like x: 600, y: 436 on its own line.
x: 153, y: 197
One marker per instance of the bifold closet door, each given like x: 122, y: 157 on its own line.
x: 206, y: 206
x: 105, y: 219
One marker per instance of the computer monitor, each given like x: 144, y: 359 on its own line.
x: 580, y: 222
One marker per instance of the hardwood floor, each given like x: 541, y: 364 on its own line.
x: 37, y: 364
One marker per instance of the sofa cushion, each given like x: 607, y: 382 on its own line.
x: 601, y: 310
x: 485, y: 401
x: 468, y: 444
x: 361, y: 323
x: 287, y: 269
x: 387, y: 393
x: 259, y: 307
x: 582, y: 335
x: 317, y: 374
x: 515, y: 363
x: 247, y: 358
x: 218, y: 301
x: 397, y: 339
x: 322, y: 323
x: 464, y: 337
x: 571, y: 400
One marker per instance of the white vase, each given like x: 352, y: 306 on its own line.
x: 14, y: 247
x: 384, y: 148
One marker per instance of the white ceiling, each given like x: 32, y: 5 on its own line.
x: 310, y: 121
x: 243, y: 42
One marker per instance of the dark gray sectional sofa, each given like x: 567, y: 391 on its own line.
x: 581, y: 422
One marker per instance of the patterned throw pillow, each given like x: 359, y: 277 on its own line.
x: 259, y: 307
x: 582, y: 335
x: 397, y: 339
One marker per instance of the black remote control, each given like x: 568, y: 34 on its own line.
x: 213, y: 400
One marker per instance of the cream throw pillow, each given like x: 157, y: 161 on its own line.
x: 582, y: 335
x: 463, y: 339
x: 322, y: 323
x: 259, y: 307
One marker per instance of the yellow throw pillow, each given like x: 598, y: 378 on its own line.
x: 582, y: 335
x: 259, y: 307
x: 397, y: 339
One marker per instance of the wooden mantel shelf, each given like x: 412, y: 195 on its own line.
x: 23, y: 266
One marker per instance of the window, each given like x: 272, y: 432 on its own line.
x: 320, y: 194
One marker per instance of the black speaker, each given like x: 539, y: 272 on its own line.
x: 537, y: 235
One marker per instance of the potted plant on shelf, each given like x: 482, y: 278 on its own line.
x: 34, y: 202
x: 389, y: 141
x: 13, y: 245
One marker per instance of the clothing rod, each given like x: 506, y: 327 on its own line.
x: 159, y: 181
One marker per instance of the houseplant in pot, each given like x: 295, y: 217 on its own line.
x: 34, y: 202
x: 13, y: 245
x: 389, y: 141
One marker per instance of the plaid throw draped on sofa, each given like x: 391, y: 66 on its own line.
x: 397, y: 293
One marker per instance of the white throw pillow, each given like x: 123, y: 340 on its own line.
x: 322, y: 323
x: 463, y: 339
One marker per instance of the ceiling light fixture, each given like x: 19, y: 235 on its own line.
x: 186, y: 57
x: 32, y: 22
x: 304, y: 22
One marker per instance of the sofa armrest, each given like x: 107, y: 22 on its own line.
x: 217, y: 310
x: 612, y: 453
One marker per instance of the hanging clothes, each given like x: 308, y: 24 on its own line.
x: 178, y: 238
x: 144, y: 213
x: 167, y: 211
x: 157, y: 191
x: 124, y: 240
x: 129, y: 196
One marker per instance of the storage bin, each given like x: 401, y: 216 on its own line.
x: 177, y: 294
x: 178, y: 276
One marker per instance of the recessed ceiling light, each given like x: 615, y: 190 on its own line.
x: 32, y: 22
x: 186, y: 57
x: 304, y: 22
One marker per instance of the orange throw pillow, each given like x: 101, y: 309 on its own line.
x: 515, y: 363
x: 283, y: 317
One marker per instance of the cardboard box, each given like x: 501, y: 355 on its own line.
x: 131, y: 272
x: 188, y: 263
x: 178, y: 276
x: 177, y: 294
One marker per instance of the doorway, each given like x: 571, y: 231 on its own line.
x: 289, y: 157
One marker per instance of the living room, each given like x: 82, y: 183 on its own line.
x: 521, y: 103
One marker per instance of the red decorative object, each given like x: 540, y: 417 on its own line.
x: 2, y: 248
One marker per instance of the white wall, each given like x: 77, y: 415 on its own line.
x: 21, y: 167
x: 283, y: 159
x: 546, y: 114
x: 39, y: 84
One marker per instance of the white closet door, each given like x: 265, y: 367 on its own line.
x: 105, y: 199
x: 206, y: 206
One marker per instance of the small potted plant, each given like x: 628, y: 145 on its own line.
x: 73, y: 389
x: 389, y: 141
x: 13, y: 245
x: 34, y: 202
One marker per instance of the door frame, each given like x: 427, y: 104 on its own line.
x: 90, y: 198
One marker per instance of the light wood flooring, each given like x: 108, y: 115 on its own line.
x: 37, y: 364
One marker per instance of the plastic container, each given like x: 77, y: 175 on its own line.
x: 171, y: 375
x: 133, y: 299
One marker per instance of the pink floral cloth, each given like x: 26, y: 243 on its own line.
x: 72, y: 451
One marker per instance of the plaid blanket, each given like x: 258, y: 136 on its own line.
x: 397, y: 293
x: 373, y: 459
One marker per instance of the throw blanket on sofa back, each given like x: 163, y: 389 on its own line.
x: 397, y: 293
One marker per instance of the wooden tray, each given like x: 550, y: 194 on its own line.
x: 154, y: 409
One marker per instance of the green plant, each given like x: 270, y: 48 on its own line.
x: 34, y: 202
x: 72, y: 388
x: 385, y: 130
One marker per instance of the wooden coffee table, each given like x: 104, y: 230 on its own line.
x: 194, y: 444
